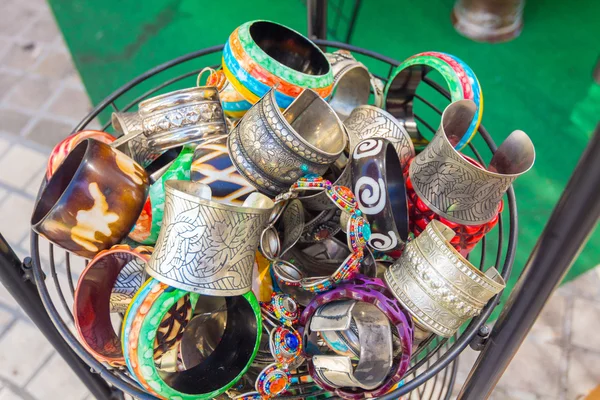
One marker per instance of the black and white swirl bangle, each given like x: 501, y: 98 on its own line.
x: 378, y: 184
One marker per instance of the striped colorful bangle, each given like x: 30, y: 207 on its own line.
x: 459, y: 77
x: 252, y: 71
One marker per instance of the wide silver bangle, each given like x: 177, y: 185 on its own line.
x: 204, y: 246
x: 438, y: 286
x: 273, y: 149
x: 458, y: 189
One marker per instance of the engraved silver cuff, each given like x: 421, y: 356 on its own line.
x: 183, y: 116
x: 273, y: 149
x: 204, y: 246
x: 440, y: 288
x: 457, y: 189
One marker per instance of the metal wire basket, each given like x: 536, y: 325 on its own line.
x: 434, y: 363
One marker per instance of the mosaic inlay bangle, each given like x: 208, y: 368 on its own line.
x: 462, y: 84
x: 92, y: 200
x: 207, y: 247
x: 92, y: 298
x: 372, y: 291
x: 351, y: 83
x: 457, y: 189
x: 368, y: 122
x: 63, y: 148
x: 380, y: 192
x: 438, y: 286
x: 272, y: 149
x: 357, y: 229
x: 235, y: 352
x: 212, y: 166
x: 260, y: 55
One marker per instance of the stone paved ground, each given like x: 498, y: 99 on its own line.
x: 42, y: 98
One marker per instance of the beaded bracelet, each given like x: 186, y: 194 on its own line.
x: 357, y: 228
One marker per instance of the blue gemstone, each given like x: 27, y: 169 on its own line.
x: 366, y: 231
x: 309, y: 176
x: 291, y: 341
x: 304, y: 168
x: 358, y: 212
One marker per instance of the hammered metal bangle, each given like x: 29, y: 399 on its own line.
x: 272, y: 149
x: 351, y: 83
x: 374, y: 334
x: 378, y: 184
x: 368, y: 122
x: 372, y: 291
x: 438, y: 286
x: 457, y: 189
x: 204, y: 246
x: 462, y: 84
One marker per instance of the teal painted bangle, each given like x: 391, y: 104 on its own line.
x: 275, y: 67
x: 460, y: 80
x: 221, y: 370
x: 147, y: 227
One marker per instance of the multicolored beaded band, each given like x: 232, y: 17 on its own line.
x: 286, y: 345
x: 285, y: 308
x: 357, y: 228
x: 272, y: 381
x: 460, y: 78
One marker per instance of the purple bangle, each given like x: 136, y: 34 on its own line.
x: 373, y: 291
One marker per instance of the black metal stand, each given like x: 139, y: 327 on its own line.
x: 573, y: 219
x: 18, y: 280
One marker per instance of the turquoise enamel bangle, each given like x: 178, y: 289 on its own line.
x: 459, y: 77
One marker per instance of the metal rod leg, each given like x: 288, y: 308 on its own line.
x: 568, y: 228
x: 16, y: 277
x: 317, y: 19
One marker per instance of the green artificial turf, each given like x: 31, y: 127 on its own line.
x: 540, y: 83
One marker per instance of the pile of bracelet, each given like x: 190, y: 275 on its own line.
x: 270, y: 233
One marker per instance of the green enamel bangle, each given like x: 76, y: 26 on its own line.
x: 221, y: 369
x: 148, y: 225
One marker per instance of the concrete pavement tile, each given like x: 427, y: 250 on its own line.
x: 56, y: 65
x: 20, y: 165
x: 31, y: 93
x: 71, y: 103
x: 549, y: 327
x: 586, y: 285
x: 13, y: 121
x: 58, y: 378
x: 43, y: 29
x: 585, y: 331
x: 583, y: 374
x: 8, y: 394
x: 7, y: 80
x: 15, y: 17
x: 49, y: 132
x: 15, y: 215
x: 21, y: 56
x: 31, y: 350
x: 536, y: 368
